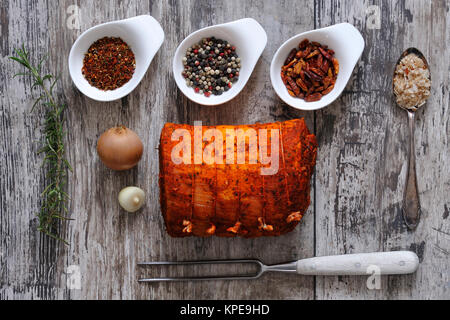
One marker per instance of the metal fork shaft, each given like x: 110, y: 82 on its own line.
x: 198, y: 278
x: 290, y: 267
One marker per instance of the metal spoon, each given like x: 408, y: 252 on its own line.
x: 411, y: 204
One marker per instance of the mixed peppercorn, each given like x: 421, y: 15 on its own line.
x: 211, y: 66
x: 310, y: 71
x: 109, y: 63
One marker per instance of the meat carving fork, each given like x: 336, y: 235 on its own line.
x: 382, y: 263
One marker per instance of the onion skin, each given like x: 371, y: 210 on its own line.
x: 119, y: 148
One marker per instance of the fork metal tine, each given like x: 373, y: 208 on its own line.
x: 199, y: 278
x: 235, y: 261
x: 153, y: 263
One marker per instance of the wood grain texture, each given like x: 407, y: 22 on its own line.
x: 361, y: 168
x: 357, y: 188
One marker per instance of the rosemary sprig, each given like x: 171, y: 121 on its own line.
x: 54, y: 198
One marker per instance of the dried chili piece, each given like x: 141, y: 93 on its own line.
x: 290, y: 64
x: 283, y: 78
x: 313, y: 97
x: 317, y: 71
x: 301, y: 84
x: 330, y: 73
x: 328, y: 90
x: 108, y: 64
x: 325, y: 54
x: 290, y: 56
x: 293, y: 85
x: 335, y: 65
x: 326, y: 81
x: 302, y: 45
x: 312, y: 54
x: 319, y: 89
x: 312, y: 75
x: 307, y: 51
x: 319, y: 61
x: 325, y: 65
x: 302, y: 75
x: 298, y: 66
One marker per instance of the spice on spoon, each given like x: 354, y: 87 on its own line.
x: 108, y: 64
x: 411, y: 85
x: 411, y: 82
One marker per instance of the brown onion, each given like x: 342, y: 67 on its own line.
x: 119, y: 148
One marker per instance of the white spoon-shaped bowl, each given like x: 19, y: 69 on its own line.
x: 249, y: 38
x: 348, y: 45
x: 144, y: 36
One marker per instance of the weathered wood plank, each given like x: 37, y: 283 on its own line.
x: 105, y: 242
x: 359, y: 176
x: 362, y: 159
x: 27, y: 259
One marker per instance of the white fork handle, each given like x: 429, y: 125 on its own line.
x: 394, y: 262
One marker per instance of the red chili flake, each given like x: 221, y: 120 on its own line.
x: 108, y: 64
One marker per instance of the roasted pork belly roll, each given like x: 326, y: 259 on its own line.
x: 246, y: 180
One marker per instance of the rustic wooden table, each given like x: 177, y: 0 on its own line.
x: 356, y: 191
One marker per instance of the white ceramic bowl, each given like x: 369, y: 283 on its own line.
x: 246, y: 35
x: 348, y: 45
x: 143, y: 34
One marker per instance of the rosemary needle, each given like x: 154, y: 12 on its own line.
x: 54, y: 198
